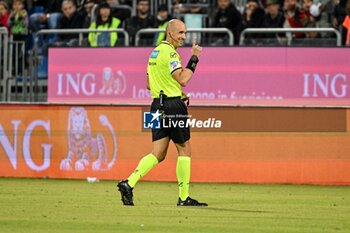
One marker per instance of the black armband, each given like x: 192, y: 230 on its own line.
x: 192, y: 63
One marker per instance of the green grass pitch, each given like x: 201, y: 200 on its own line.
x: 47, y: 205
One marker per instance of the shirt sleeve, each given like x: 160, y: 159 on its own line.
x: 174, y: 62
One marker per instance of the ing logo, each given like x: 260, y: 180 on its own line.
x: 112, y: 83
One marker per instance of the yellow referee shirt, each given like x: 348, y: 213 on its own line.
x: 163, y: 61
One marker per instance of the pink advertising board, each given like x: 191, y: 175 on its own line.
x: 224, y: 76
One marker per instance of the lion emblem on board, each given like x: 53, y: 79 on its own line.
x: 84, y: 150
x: 112, y: 83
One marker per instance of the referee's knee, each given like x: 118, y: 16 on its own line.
x: 160, y: 156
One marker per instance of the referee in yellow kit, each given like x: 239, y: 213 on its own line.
x: 166, y: 76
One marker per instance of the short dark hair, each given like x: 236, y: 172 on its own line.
x: 162, y: 7
x: 138, y: 1
x: 22, y: 1
x: 71, y: 1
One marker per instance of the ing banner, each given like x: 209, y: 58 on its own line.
x: 224, y: 76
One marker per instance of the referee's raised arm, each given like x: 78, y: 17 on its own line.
x: 176, y: 35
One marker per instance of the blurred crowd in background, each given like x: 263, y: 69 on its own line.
x: 24, y: 18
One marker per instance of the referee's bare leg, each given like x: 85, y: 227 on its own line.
x: 160, y: 148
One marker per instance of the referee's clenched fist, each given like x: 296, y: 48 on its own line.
x: 196, y: 49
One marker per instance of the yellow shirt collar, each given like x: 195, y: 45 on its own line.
x: 166, y: 42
